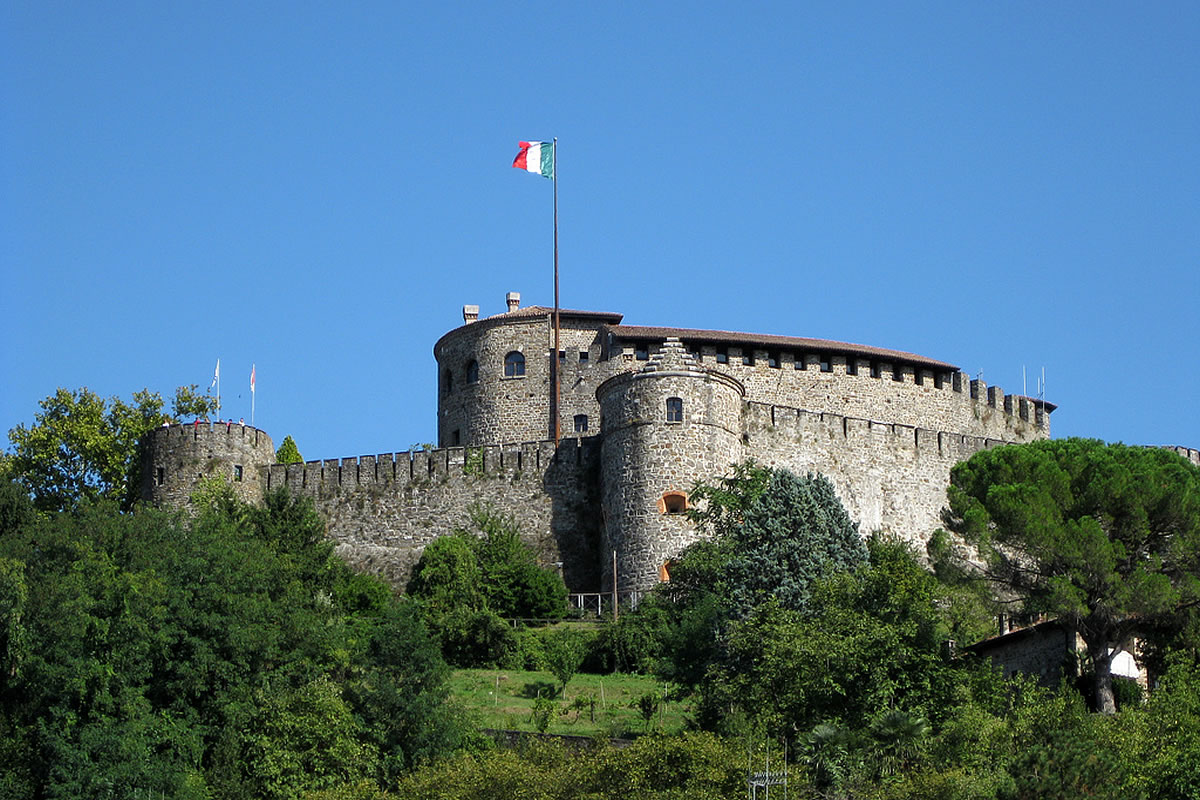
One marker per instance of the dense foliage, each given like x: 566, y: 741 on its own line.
x: 471, y: 582
x: 227, y: 656
x: 83, y: 448
x: 1105, y: 538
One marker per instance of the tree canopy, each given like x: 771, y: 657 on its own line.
x: 1106, y: 538
x: 82, y: 447
x: 288, y: 453
x: 773, y: 534
x: 229, y: 655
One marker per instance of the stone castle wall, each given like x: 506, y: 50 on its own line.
x: 885, y: 427
x: 876, y: 389
x: 890, y: 477
x: 174, y: 458
x: 382, y: 510
x: 496, y: 408
x: 645, y: 456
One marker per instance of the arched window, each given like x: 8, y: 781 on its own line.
x: 674, y: 409
x: 472, y: 371
x: 514, y: 365
x: 447, y: 381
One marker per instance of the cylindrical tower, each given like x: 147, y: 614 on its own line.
x: 664, y: 428
x: 175, y: 457
x: 494, y: 375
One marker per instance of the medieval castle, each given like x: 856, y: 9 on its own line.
x: 645, y: 413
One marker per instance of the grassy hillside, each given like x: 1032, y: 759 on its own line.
x: 606, y: 705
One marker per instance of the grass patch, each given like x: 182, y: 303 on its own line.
x: 595, y: 705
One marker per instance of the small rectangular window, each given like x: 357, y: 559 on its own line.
x: 456, y: 438
x: 562, y: 356
x: 581, y: 423
x: 851, y: 365
x: 918, y: 377
x: 826, y: 363
x: 939, y: 380
x: 642, y: 352
x: 748, y: 358
x: 875, y: 369
x: 773, y: 360
x: 800, y: 361
x: 159, y: 477
x: 722, y: 355
x: 583, y: 356
x: 674, y: 409
x: 897, y: 373
x: 237, y: 472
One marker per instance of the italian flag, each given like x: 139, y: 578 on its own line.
x: 536, y: 157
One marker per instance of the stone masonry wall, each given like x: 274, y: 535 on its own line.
x: 175, y: 457
x: 383, y: 510
x: 496, y: 408
x: 945, y: 402
x: 644, y: 456
x: 890, y: 477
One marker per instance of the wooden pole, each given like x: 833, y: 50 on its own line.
x: 614, y: 585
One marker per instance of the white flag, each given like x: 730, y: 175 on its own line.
x: 216, y: 374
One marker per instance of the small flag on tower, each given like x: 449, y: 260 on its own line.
x: 536, y: 157
x: 216, y: 375
x: 251, y: 379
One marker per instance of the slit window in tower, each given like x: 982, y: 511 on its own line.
x: 237, y: 472
x: 674, y: 409
x: 472, y: 371
x: 673, y: 503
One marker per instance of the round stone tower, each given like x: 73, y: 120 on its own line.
x: 175, y: 457
x: 664, y: 428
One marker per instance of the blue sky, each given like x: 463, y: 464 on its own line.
x: 318, y: 188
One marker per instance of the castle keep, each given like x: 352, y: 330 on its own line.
x: 645, y: 413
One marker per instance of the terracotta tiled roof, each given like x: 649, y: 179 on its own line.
x: 770, y: 341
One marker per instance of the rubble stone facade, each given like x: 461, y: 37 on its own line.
x: 644, y: 412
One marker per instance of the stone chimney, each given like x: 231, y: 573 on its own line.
x: 470, y: 313
x: 513, y: 299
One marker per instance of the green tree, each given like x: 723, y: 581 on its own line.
x: 83, y: 448
x: 288, y: 453
x: 565, y: 651
x: 1103, y: 537
x: 513, y: 583
x: 775, y: 534
x: 190, y: 404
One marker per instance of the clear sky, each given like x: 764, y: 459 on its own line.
x: 318, y: 188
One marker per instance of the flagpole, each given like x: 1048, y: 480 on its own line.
x: 554, y: 365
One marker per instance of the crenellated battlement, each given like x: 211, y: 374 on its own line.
x: 418, y: 467
x: 175, y: 458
